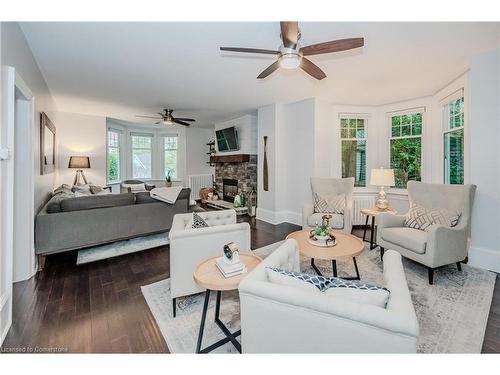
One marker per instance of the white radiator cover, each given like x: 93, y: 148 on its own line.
x: 198, y: 181
x: 361, y: 201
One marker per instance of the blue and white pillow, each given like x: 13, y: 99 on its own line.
x: 332, y: 286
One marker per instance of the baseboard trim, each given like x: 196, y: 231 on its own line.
x: 488, y: 259
x: 278, y: 217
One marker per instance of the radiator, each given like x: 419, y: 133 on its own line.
x: 198, y: 181
x: 359, y: 203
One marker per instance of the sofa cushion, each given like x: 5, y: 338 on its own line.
x: 420, y: 217
x: 144, y: 197
x: 97, y: 201
x: 61, y: 193
x: 329, y: 204
x: 409, y: 238
x: 336, y: 222
x: 82, y: 189
x: 355, y: 291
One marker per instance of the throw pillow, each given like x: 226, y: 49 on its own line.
x: 423, y: 218
x: 355, y: 291
x: 64, y: 188
x: 329, y: 204
x: 198, y: 222
x: 95, y: 189
x: 83, y: 189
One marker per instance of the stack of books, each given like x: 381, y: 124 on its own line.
x: 229, y: 270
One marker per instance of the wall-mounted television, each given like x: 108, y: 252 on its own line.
x: 227, y: 139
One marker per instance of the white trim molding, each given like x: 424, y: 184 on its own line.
x: 488, y: 259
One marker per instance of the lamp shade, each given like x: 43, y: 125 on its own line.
x: 382, y: 177
x: 79, y: 162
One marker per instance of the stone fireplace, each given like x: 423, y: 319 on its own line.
x: 233, y: 177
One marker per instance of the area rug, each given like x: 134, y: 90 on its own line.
x: 118, y: 248
x: 452, y: 313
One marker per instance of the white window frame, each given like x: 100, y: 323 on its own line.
x: 163, y: 136
x: 121, y: 154
x: 409, y: 111
x: 354, y: 116
x: 153, y: 153
x: 445, y: 130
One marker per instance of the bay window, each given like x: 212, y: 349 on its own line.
x: 142, y: 150
x: 406, y: 147
x: 353, y: 146
x: 453, y: 141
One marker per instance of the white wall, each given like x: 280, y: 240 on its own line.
x: 81, y: 135
x: 16, y: 53
x: 485, y: 159
x: 246, y: 126
x: 197, y: 149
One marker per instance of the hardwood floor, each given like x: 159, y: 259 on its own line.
x: 99, y: 308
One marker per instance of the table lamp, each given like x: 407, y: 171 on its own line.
x: 79, y: 162
x: 384, y: 178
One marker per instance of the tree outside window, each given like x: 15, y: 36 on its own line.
x: 113, y: 156
x: 406, y: 148
x: 353, y: 146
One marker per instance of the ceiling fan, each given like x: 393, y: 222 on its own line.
x: 167, y: 118
x: 291, y: 55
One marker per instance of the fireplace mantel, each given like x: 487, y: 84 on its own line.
x: 238, y: 158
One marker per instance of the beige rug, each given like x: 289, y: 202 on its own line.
x: 452, y: 313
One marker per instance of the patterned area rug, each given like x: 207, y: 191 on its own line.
x: 452, y: 313
x: 93, y: 254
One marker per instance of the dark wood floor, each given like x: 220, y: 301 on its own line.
x: 99, y: 308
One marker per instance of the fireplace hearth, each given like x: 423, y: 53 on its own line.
x: 229, y: 189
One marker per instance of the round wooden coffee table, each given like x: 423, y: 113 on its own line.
x: 347, y: 246
x: 208, y: 276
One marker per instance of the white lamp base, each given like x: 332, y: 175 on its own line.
x: 382, y: 202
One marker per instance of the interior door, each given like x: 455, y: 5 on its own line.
x: 7, y: 108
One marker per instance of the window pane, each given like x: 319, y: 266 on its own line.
x: 396, y: 121
x: 405, y: 130
x: 405, y: 120
x: 343, y: 123
x: 113, y: 164
x: 354, y: 161
x: 141, y: 141
x: 352, y: 133
x: 141, y: 163
x: 416, y: 129
x: 454, y: 157
x: 405, y: 160
x: 352, y: 123
x: 344, y: 133
x: 170, y: 162
x: 396, y: 131
x: 416, y: 118
x: 457, y: 121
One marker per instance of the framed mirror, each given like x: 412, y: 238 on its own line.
x: 47, y: 145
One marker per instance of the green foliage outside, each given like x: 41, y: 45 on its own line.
x: 113, y: 165
x: 405, y: 160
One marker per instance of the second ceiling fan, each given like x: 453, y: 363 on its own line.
x: 290, y: 55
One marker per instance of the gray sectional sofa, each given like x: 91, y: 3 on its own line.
x: 80, y: 222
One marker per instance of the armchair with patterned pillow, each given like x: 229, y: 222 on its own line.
x: 435, y: 231
x: 332, y: 196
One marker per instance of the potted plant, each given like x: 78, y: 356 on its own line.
x: 168, y: 179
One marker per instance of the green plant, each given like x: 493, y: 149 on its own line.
x: 169, y: 177
x: 322, y: 231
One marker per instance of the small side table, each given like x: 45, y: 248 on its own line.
x: 208, y: 276
x: 373, y: 212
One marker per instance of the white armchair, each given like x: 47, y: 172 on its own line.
x: 189, y: 247
x: 440, y: 245
x: 284, y: 319
x: 330, y: 186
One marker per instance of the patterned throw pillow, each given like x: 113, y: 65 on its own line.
x: 329, y: 204
x: 355, y: 291
x: 198, y: 222
x: 422, y: 218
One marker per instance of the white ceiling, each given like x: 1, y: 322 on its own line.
x: 124, y: 69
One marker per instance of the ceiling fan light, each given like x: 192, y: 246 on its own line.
x: 168, y: 122
x: 290, y: 61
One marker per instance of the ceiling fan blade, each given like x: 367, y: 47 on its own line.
x: 177, y: 121
x: 333, y: 46
x: 311, y: 69
x: 185, y: 119
x: 154, y: 117
x: 270, y: 69
x: 250, y: 50
x: 289, y: 33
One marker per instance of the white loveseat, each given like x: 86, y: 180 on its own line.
x: 330, y: 187
x: 284, y: 319
x: 189, y: 247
